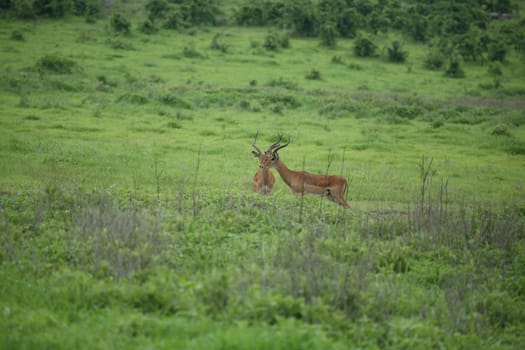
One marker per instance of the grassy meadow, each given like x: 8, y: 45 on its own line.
x: 127, y: 218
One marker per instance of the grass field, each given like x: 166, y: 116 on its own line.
x: 128, y: 220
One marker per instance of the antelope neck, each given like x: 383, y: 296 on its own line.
x: 286, y: 174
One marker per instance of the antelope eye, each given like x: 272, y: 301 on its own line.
x: 273, y: 158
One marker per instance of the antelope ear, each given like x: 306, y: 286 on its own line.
x: 255, y: 154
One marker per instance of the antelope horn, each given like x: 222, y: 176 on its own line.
x: 276, y: 144
x: 282, y: 146
x: 255, y: 146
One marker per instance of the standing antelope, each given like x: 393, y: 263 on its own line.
x: 263, y: 180
x: 300, y: 182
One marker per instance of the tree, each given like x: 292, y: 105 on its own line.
x: 302, y: 17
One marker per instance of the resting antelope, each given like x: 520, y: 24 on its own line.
x: 301, y: 182
x: 263, y: 180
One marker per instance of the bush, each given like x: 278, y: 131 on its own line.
x: 313, y: 75
x: 501, y: 130
x: 495, y: 69
x: 147, y: 27
x: 497, y: 51
x: 52, y: 8
x: 174, y: 19
x: 88, y: 8
x: 23, y: 9
x: 56, y: 64
x: 17, y: 36
x: 191, y: 52
x: 396, y: 52
x: 218, y: 43
x: 434, y: 59
x: 364, y: 47
x: 120, y: 24
x: 302, y: 17
x: 454, y: 69
x: 157, y: 9
x: 328, y: 34
x: 274, y: 41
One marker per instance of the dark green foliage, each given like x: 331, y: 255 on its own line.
x: 56, y: 64
x: 453, y: 69
x: 260, y: 12
x: 88, y: 8
x: 147, y: 27
x: 416, y: 27
x: 157, y: 9
x: 328, y: 34
x: 219, y: 43
x: 120, y: 24
x: 284, y: 83
x: 52, y: 8
x: 133, y: 98
x: 501, y: 130
x: 17, y: 36
x: 172, y: 100
x: 274, y: 41
x: 396, y: 52
x: 118, y: 44
x: 183, y: 13
x: 302, y: 17
x: 495, y: 69
x: 364, y: 46
x: 314, y: 74
x: 174, y: 19
x: 472, y: 45
x: 456, y: 18
x: 434, y: 59
x: 191, y: 51
x: 497, y: 51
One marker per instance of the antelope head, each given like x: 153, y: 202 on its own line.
x: 270, y: 157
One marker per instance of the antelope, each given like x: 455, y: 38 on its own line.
x: 332, y: 187
x: 264, y: 179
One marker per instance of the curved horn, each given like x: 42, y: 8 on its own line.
x: 255, y: 146
x: 276, y: 144
x: 282, y: 146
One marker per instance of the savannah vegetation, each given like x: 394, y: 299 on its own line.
x: 127, y: 217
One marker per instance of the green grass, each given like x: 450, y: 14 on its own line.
x: 128, y: 221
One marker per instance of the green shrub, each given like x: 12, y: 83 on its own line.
x: 147, y: 27
x: 17, y: 36
x: 495, y: 69
x: 175, y: 19
x: 133, y: 98
x: 396, y: 52
x: 118, y: 44
x: 434, y: 59
x: 218, y: 43
x: 314, y: 74
x: 501, y: 130
x: 328, y: 34
x: 157, y: 9
x: 56, y: 64
x: 120, y: 24
x: 364, y: 47
x: 497, y: 51
x: 88, y: 8
x: 454, y: 69
x: 191, y: 52
x: 274, y: 41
